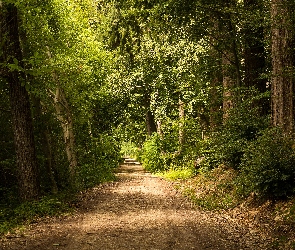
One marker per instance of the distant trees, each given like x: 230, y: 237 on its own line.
x: 81, y: 73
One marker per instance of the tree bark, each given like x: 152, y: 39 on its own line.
x: 28, y: 178
x: 45, y: 142
x: 215, y: 116
x: 254, y: 55
x: 282, y: 82
x: 149, y: 117
x: 181, y: 137
x: 64, y: 115
x: 229, y: 84
x: 230, y: 63
x: 159, y: 129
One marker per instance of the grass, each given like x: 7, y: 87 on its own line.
x: 212, y: 201
x: 210, y: 190
x: 214, y: 190
x: 217, y: 190
x: 177, y: 174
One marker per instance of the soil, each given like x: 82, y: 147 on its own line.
x: 138, y: 211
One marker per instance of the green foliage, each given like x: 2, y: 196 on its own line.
x: 151, y: 154
x: 178, y: 173
x: 129, y: 149
x: 18, y: 214
x: 212, y: 190
x: 118, y: 60
x: 268, y: 167
x: 228, y: 145
x: 213, y: 201
x: 99, y: 158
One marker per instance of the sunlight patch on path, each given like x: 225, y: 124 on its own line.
x: 138, y: 211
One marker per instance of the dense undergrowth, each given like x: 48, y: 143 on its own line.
x: 244, y: 160
x: 262, y: 157
x: 16, y: 215
x: 98, y: 159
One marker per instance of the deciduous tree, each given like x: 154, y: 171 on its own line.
x: 13, y: 71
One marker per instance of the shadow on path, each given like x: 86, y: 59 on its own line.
x: 138, y: 211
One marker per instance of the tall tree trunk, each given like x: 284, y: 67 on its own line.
x: 229, y: 83
x: 215, y: 100
x: 150, y: 123
x: 254, y: 54
x: 159, y: 129
x: 45, y: 142
x: 20, y: 105
x: 38, y: 117
x: 64, y: 115
x: 282, y: 82
x: 181, y: 137
x: 215, y: 118
x: 230, y: 64
x: 149, y: 117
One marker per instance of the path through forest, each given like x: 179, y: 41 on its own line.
x: 138, y: 211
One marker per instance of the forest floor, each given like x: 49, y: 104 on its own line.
x: 141, y: 211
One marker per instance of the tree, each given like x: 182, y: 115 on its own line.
x: 254, y: 53
x: 230, y: 59
x: 20, y: 103
x: 283, y: 62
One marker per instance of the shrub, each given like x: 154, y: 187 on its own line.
x: 98, y: 162
x: 228, y: 145
x: 178, y: 173
x: 268, y: 166
x: 151, y: 154
x: 12, y: 217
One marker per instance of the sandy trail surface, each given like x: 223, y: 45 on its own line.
x: 138, y: 211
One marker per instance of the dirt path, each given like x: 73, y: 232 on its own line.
x: 139, y: 211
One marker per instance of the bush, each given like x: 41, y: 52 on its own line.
x: 268, y: 166
x: 151, y: 154
x: 178, y: 173
x: 98, y: 162
x: 228, y: 145
x: 12, y: 217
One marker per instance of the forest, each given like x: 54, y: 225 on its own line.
x: 185, y: 86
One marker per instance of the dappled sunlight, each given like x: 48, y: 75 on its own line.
x: 138, y: 211
x: 140, y: 190
x: 150, y: 218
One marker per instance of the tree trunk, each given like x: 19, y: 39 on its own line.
x: 159, y: 129
x: 20, y: 105
x: 181, y: 137
x: 64, y: 115
x: 254, y: 55
x: 230, y: 64
x: 45, y: 142
x: 282, y: 82
x: 215, y: 118
x: 229, y: 84
x: 149, y: 117
x: 150, y: 123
